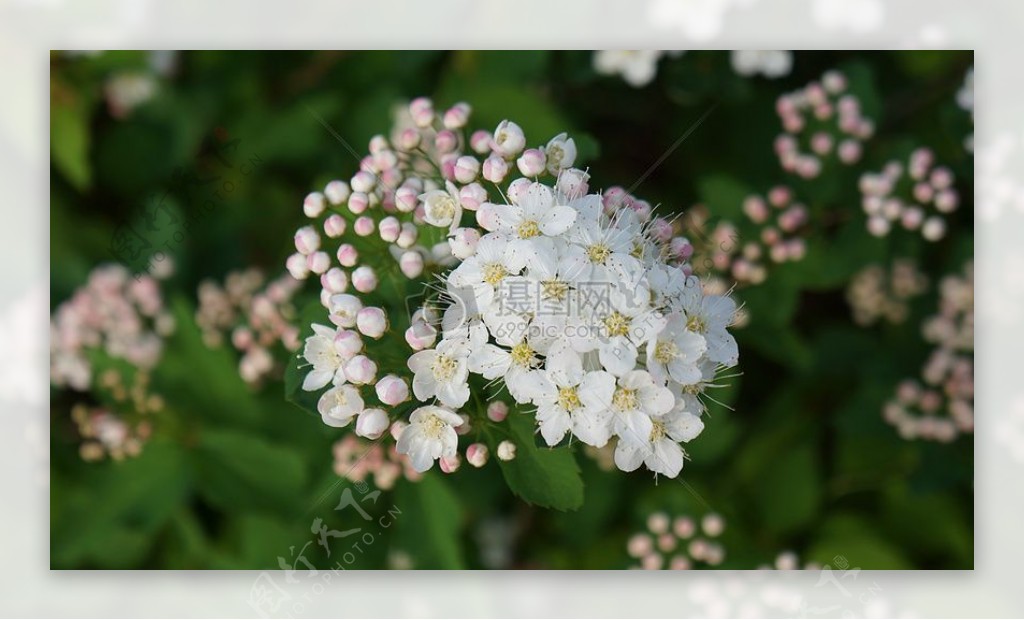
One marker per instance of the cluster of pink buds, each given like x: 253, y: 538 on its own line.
x: 940, y: 407
x: 917, y: 196
x: 254, y: 314
x: 778, y: 221
x: 876, y: 295
x: 358, y: 459
x: 105, y: 434
x: 681, y: 543
x: 123, y: 316
x: 821, y: 122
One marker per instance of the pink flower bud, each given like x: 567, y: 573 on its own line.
x: 358, y: 202
x: 335, y: 280
x: 390, y: 227
x: 572, y: 182
x: 457, y: 116
x: 878, y: 226
x: 477, y: 454
x: 480, y: 142
x: 506, y: 450
x: 946, y: 201
x: 420, y: 335
x: 410, y: 233
x: 372, y: 423
x: 411, y: 264
x: 360, y: 370
x: 422, y: 111
x: 912, y: 217
x: 756, y: 209
x: 363, y: 182
x: 348, y: 256
x: 934, y: 228
x: 307, y: 240
x: 923, y: 192
x: 661, y: 230
x: 466, y: 169
x: 508, y: 139
x: 296, y: 265
x: 371, y: 322
x: 449, y: 465
x: 495, y: 169
x: 849, y: 151
x: 364, y: 226
x: 364, y: 279
x: 392, y: 390
x: 241, y: 338
x: 347, y: 343
x: 497, y: 411
x: 532, y: 162
x: 472, y: 196
x: 834, y: 82
x: 463, y: 242
x: 313, y: 205
x: 405, y: 199
x: 409, y: 139
x: 446, y: 141
x: 334, y: 226
x: 821, y: 143
x: 337, y: 192
x: 681, y: 248
x: 713, y: 525
x: 318, y: 262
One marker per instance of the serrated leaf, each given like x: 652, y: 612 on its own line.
x: 547, y: 477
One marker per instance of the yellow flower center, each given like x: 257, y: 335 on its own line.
x: 598, y: 253
x: 554, y: 289
x: 568, y: 398
x: 433, y: 426
x: 444, y: 208
x: 617, y: 324
x: 657, y: 430
x: 665, y: 351
x: 528, y: 229
x: 443, y: 368
x: 494, y: 273
x: 697, y: 324
x: 522, y: 354
x: 625, y: 400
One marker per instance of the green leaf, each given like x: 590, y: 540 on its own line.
x: 429, y: 523
x: 850, y: 540
x: 70, y: 140
x: 239, y: 472
x: 548, y: 477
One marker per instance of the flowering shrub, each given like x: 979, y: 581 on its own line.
x: 502, y: 328
x: 580, y: 305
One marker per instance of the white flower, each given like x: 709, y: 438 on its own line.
x: 442, y: 373
x: 345, y: 309
x: 637, y: 67
x: 560, y: 153
x: 484, y: 271
x: 770, y: 63
x: 511, y: 364
x: 636, y: 400
x: 442, y: 207
x: 624, y: 322
x: 430, y: 435
x: 325, y: 355
x: 530, y: 224
x: 661, y: 452
x: 674, y: 352
x: 508, y: 139
x: 559, y: 393
x: 371, y: 423
x: 710, y: 316
x: 606, y: 250
x: 339, y: 405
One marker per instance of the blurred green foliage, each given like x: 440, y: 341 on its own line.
x: 801, y: 459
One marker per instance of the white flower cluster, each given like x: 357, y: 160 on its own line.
x: 570, y: 302
x: 580, y: 304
